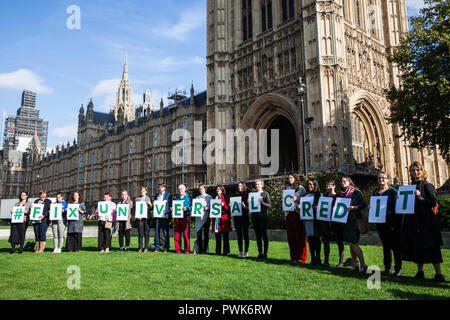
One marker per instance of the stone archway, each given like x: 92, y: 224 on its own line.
x: 277, y: 112
x: 369, y: 133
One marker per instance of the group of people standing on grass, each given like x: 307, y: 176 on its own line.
x: 414, y: 237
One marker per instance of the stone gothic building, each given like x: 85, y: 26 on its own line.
x: 257, y: 50
x: 121, y: 150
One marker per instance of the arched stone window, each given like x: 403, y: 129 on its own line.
x: 266, y: 15
x: 247, y: 23
x: 359, y: 140
x: 358, y: 16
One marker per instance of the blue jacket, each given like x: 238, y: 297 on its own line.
x: 167, y: 197
x: 187, y: 203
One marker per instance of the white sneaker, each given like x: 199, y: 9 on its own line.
x: 240, y: 256
x: 59, y: 250
x: 55, y: 250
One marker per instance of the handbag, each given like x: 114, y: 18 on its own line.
x: 363, y: 227
x: 108, y: 225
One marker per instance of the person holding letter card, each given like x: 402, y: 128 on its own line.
x: 351, y: 232
x: 18, y: 230
x: 181, y: 225
x: 163, y: 223
x: 313, y: 226
x: 389, y: 231
x: 106, y: 218
x: 332, y: 230
x: 202, y: 223
x: 259, y: 220
x: 222, y: 226
x: 143, y: 223
x: 40, y: 226
x: 421, y: 235
x: 241, y: 223
x: 59, y: 226
x: 125, y: 226
x: 295, y: 228
x: 75, y: 227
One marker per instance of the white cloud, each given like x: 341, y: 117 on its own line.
x: 105, y: 87
x: 190, y: 20
x: 106, y: 90
x: 66, y: 132
x: 24, y: 79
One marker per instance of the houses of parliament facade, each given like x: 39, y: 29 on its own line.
x: 256, y: 52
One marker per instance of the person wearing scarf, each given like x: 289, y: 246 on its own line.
x: 351, y: 232
x: 312, y: 227
x: 181, y: 225
x: 202, y: 223
x: 295, y: 228
x: 222, y: 226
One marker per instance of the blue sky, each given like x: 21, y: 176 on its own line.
x: 165, y: 42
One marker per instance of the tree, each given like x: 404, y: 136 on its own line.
x: 420, y: 106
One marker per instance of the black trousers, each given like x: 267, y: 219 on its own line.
x: 104, y: 236
x: 241, y: 224
x: 226, y: 242
x: 260, y: 226
x: 74, y: 241
x: 314, y: 248
x: 143, y: 232
x: 391, y: 244
x: 122, y: 233
x: 203, y: 237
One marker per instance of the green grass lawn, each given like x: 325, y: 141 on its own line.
x: 132, y: 275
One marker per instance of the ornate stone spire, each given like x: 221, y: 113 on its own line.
x: 125, y: 68
x: 124, y: 97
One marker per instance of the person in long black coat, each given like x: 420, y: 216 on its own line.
x: 421, y: 236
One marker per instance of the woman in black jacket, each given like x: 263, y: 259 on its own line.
x: 421, y: 235
x: 313, y: 226
x: 242, y: 223
x: 389, y: 231
x: 351, y: 232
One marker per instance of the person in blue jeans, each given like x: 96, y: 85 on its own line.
x: 163, y: 223
x: 41, y: 226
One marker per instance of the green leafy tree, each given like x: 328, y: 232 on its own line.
x: 421, y: 104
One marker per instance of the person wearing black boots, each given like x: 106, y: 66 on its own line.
x: 312, y: 226
x: 260, y: 219
x: 18, y: 230
x: 389, y: 231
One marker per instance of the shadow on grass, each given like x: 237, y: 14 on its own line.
x: 347, y: 272
x: 415, y: 296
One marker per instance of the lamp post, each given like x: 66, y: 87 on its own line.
x: 301, y: 90
x: 334, y: 149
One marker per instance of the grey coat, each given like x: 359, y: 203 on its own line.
x: 76, y: 226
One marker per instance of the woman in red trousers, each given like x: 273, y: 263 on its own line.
x: 222, y: 226
x: 294, y: 226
